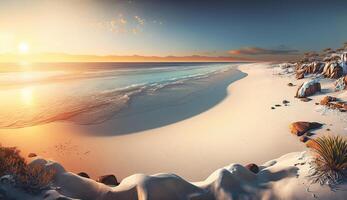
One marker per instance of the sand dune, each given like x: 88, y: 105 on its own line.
x: 282, y: 178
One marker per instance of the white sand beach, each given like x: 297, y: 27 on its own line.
x: 240, y: 129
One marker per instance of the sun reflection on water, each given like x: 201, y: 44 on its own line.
x: 27, y: 96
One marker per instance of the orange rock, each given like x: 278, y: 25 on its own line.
x: 312, y: 144
x: 299, y: 128
x: 327, y: 99
x: 300, y: 75
x: 31, y: 155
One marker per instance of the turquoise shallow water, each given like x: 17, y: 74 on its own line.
x: 93, y: 93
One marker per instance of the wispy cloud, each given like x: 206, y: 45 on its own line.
x: 123, y: 24
x: 262, y: 51
x: 133, y: 24
x: 139, y: 20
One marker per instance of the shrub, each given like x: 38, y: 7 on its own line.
x: 31, y: 178
x: 329, y: 164
x: 35, y: 179
x: 10, y: 161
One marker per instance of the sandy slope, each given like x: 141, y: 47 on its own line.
x: 240, y: 129
x: 282, y: 178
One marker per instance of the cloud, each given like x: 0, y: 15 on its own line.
x: 254, y: 51
x: 122, y: 21
x: 140, y: 20
x: 123, y: 24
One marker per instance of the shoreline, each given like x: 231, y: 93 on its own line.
x: 227, y: 133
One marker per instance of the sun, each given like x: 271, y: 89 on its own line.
x: 23, y: 47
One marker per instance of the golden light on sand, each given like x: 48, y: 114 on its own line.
x: 27, y: 96
x: 23, y: 47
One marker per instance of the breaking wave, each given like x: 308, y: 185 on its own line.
x: 99, y: 106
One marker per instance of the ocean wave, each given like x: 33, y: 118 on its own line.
x: 97, y: 107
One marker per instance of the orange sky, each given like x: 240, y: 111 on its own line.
x: 61, y: 57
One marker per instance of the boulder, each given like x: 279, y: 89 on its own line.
x: 83, y: 174
x: 332, y: 70
x: 300, y: 128
x: 253, y: 168
x: 108, y: 180
x: 290, y: 84
x: 308, y: 88
x: 314, y: 67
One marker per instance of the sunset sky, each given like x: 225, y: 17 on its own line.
x: 239, y: 29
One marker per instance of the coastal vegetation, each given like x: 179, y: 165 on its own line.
x: 329, y: 165
x: 14, y: 169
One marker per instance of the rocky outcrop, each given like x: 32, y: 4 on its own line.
x: 331, y: 64
x: 300, y: 128
x: 308, y: 88
x: 334, y: 103
x: 332, y: 70
x: 309, y: 68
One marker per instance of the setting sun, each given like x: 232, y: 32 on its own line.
x: 173, y: 100
x: 23, y: 47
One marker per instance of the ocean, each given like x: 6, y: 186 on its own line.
x: 94, y: 93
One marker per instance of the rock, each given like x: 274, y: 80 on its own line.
x: 327, y: 99
x: 108, y: 180
x: 311, y: 144
x: 341, y: 106
x: 341, y: 83
x: 332, y: 70
x: 272, y: 108
x: 278, y: 105
x: 83, y: 174
x: 63, y: 198
x: 253, y: 168
x: 308, y: 88
x: 285, y: 102
x: 304, y: 138
x: 328, y: 129
x: 300, y: 75
x: 305, y: 99
x: 31, y: 155
x: 309, y: 134
x: 300, y: 128
x: 290, y: 84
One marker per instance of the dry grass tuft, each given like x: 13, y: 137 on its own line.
x: 32, y: 178
x: 329, y: 165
